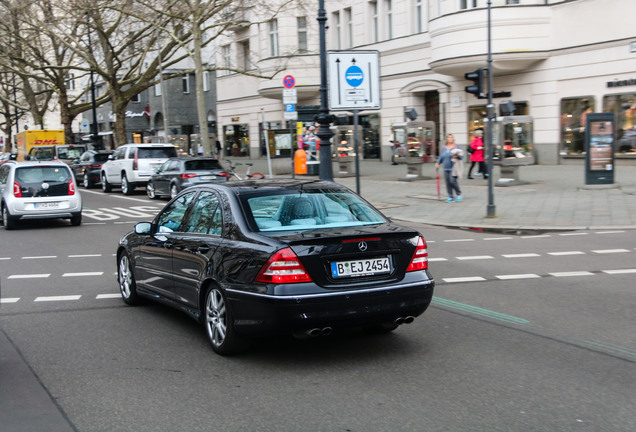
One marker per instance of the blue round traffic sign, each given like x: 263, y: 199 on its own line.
x: 354, y: 76
x: 289, y: 81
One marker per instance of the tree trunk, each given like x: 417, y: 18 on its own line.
x: 201, y: 109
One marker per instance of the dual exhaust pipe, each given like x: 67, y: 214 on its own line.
x: 314, y: 332
x: 404, y: 320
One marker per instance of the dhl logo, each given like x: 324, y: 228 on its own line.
x: 45, y: 142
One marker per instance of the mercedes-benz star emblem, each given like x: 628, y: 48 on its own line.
x: 362, y: 246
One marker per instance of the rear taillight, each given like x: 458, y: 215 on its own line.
x: 71, y: 187
x: 224, y: 174
x: 136, y: 162
x: 17, y: 190
x: 420, y: 257
x: 283, y: 267
x: 187, y: 175
x: 95, y: 166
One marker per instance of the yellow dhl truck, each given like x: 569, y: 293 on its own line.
x: 41, y: 137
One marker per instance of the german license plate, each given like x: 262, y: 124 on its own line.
x: 44, y: 205
x: 364, y: 267
x: 208, y: 177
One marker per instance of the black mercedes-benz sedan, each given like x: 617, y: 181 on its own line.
x: 266, y: 257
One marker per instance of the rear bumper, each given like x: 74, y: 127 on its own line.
x: 257, y: 314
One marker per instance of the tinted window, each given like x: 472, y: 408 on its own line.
x: 200, y: 165
x: 206, y: 215
x: 170, y: 220
x: 101, y: 157
x: 156, y: 152
x: 40, y: 181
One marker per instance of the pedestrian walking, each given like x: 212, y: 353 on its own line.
x: 476, y: 150
x: 451, y: 158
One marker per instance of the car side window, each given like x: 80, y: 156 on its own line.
x: 172, y: 217
x: 206, y: 215
x: 173, y: 165
x: 120, y: 153
x: 86, y: 157
x: 164, y: 167
x: 4, y: 174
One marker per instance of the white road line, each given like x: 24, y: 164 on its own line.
x: 107, y: 296
x: 94, y: 223
x: 39, y: 257
x: 610, y: 251
x: 476, y: 257
x: 9, y: 300
x: 498, y: 238
x: 145, y: 201
x: 564, y: 253
x: 5, y: 258
x: 125, y: 223
x: 536, y: 236
x: 85, y: 256
x: 29, y: 276
x: 619, y: 271
x: 518, y: 276
x: 464, y: 279
x: 572, y: 273
x: 609, y: 232
x: 82, y: 274
x: 437, y: 259
x: 573, y: 234
x: 458, y: 240
x: 58, y: 298
x: 523, y: 255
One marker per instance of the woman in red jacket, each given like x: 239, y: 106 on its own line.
x: 477, y: 154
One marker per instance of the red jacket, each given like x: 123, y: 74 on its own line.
x: 478, y: 154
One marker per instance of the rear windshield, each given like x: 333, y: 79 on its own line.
x: 101, y: 157
x: 199, y: 165
x: 310, y: 210
x: 156, y: 152
x: 42, y: 153
x: 70, y: 152
x: 39, y: 174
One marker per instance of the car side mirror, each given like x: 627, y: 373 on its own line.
x: 111, y: 157
x: 143, y: 228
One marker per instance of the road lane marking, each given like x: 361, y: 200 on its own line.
x: 476, y: 257
x: 58, y: 298
x: 107, y: 296
x: 536, y: 236
x: 609, y: 232
x: 39, y: 257
x: 566, y: 253
x: 437, y: 259
x: 609, y: 251
x: 458, y: 240
x: 572, y: 273
x: 573, y: 234
x: 518, y: 276
x: 464, y: 279
x: 522, y: 255
x: 5, y: 258
x: 619, y: 271
x: 85, y: 256
x: 498, y: 238
x: 82, y: 274
x: 29, y: 276
x: 9, y: 300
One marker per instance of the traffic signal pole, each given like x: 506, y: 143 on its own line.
x: 490, y: 208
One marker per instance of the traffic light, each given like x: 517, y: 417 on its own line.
x: 479, y: 77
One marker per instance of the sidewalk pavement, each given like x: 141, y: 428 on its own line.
x: 554, y: 197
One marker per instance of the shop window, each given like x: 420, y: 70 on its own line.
x: 236, y: 139
x: 624, y: 108
x: 573, y: 114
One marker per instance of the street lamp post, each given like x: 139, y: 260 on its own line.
x: 324, y: 118
x: 94, y: 127
x: 490, y: 209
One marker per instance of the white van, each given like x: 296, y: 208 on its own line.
x: 132, y: 165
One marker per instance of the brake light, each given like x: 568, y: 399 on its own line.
x: 420, y: 257
x: 187, y: 175
x: 17, y: 190
x: 224, y: 174
x: 71, y: 187
x: 135, y: 163
x: 95, y: 166
x: 283, y: 267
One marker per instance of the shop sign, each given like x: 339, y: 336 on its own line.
x: 621, y: 83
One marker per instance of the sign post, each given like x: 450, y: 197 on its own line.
x: 354, y: 85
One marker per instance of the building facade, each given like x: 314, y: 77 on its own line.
x: 559, y: 60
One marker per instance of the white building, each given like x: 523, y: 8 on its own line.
x: 559, y: 60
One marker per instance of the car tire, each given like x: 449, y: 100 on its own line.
x: 150, y: 191
x: 106, y: 187
x: 174, y: 191
x: 9, y: 224
x: 76, y: 219
x: 87, y: 182
x: 127, y: 188
x: 218, y: 324
x: 126, y: 280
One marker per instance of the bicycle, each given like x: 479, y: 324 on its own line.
x: 248, y: 175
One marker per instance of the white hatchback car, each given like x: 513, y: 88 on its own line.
x: 132, y: 165
x: 38, y: 190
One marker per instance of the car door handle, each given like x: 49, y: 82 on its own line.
x: 203, y: 249
x: 168, y: 245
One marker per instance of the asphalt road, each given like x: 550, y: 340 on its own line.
x: 528, y: 332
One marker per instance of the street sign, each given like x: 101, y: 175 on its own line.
x: 291, y: 115
x: 289, y: 81
x: 290, y: 96
x: 354, y: 80
x: 290, y: 107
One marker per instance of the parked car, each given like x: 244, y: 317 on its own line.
x: 6, y: 157
x: 88, y: 167
x: 177, y: 174
x: 253, y: 258
x: 132, y: 165
x: 38, y: 190
x: 63, y: 152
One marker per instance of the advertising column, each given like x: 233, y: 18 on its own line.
x: 599, y: 146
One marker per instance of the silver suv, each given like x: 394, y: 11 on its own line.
x: 132, y: 165
x: 38, y: 190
